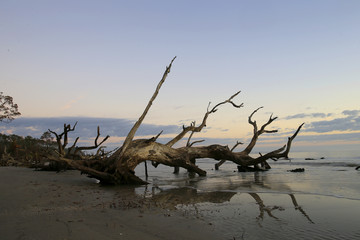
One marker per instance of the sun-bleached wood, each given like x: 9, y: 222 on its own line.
x: 119, y: 168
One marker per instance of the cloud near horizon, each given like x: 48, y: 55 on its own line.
x: 325, y: 132
x: 311, y: 115
x: 351, y: 122
x: 85, y: 128
x: 351, y: 112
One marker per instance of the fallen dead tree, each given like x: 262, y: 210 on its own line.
x: 119, y: 167
x: 71, y: 153
x: 75, y: 152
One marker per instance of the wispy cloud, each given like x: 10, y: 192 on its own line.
x: 177, y: 107
x: 31, y: 128
x: 351, y: 112
x: 337, y: 124
x: 307, y: 115
x: 69, y: 104
x: 320, y: 137
x: 349, y: 123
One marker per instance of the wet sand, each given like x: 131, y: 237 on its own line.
x: 322, y: 203
x: 49, y: 205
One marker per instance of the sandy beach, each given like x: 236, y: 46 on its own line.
x: 322, y: 203
x: 67, y: 205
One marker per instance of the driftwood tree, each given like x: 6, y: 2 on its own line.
x: 119, y: 167
x: 74, y: 151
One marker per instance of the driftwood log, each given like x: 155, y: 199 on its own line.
x: 119, y: 167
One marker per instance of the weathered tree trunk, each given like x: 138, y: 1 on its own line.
x: 217, y: 165
x: 119, y: 167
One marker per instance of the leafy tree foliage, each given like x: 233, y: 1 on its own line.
x: 24, y: 151
x: 8, y: 109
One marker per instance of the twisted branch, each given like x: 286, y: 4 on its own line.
x: 96, y: 144
x: 61, y: 146
x: 193, y: 128
x: 257, y: 132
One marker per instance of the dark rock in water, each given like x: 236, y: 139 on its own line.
x: 297, y: 170
x: 249, y: 169
x: 357, y: 168
x: 314, y: 158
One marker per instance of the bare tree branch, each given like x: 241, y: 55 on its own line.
x: 153, y: 139
x: 257, y: 132
x: 61, y: 146
x: 188, y: 144
x: 70, y: 150
x: 96, y: 144
x: 119, y: 167
x: 133, y: 130
x: 193, y: 128
x: 106, y: 177
x: 282, y: 152
x: 290, y: 139
x: 198, y: 141
x: 67, y: 129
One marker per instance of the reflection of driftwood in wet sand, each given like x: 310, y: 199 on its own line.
x: 170, y: 199
x: 262, y: 207
x: 259, y: 181
x: 188, y: 196
x: 297, y: 207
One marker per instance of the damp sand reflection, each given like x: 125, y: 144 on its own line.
x: 255, y: 205
x: 214, y: 190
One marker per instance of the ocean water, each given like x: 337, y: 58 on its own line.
x: 323, y: 202
x: 329, y: 175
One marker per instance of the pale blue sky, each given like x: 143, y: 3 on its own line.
x: 104, y: 59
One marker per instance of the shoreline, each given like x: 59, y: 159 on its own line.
x: 67, y: 205
x: 49, y: 205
